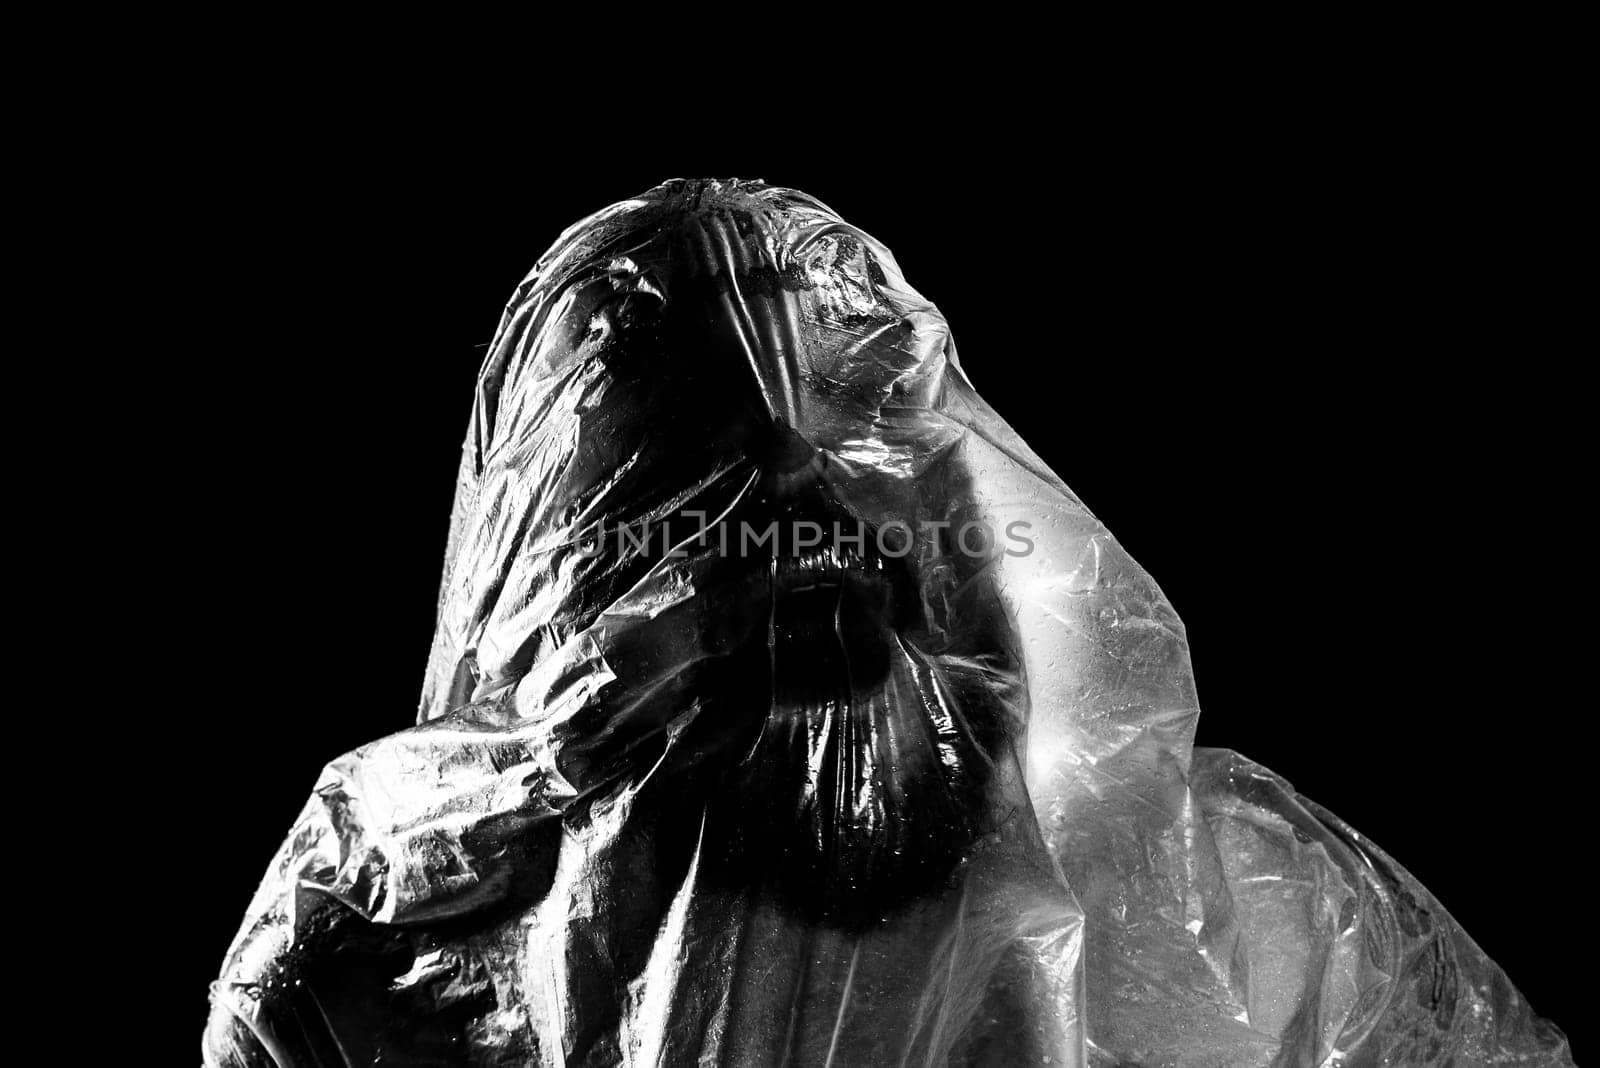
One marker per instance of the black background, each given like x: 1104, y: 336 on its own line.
x: 1290, y: 359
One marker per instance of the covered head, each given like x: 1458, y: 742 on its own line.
x: 783, y: 707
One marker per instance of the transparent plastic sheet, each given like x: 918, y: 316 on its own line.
x: 876, y: 800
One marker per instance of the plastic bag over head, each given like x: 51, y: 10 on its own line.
x: 785, y: 708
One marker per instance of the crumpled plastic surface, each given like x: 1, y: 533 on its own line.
x: 673, y: 804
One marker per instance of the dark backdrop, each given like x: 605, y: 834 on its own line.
x: 1288, y: 368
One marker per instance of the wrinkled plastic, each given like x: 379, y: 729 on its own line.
x: 671, y: 804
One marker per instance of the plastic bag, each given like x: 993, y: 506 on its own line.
x: 784, y: 708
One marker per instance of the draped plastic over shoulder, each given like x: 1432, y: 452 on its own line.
x: 784, y: 708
